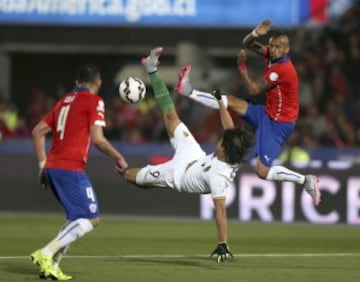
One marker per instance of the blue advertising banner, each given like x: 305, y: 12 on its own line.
x: 150, y: 13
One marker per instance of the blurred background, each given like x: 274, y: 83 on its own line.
x: 42, y: 43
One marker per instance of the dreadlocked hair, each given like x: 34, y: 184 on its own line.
x: 236, y: 143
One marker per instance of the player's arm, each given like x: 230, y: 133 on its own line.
x: 250, y: 42
x: 99, y: 140
x: 225, y: 117
x: 38, y: 136
x: 253, y: 87
x: 222, y: 250
x: 221, y: 219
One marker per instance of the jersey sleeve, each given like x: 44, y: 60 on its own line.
x: 97, y: 112
x: 278, y: 74
x: 49, y: 119
x: 218, y: 187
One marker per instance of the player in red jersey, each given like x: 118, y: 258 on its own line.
x: 75, y: 121
x: 273, y: 122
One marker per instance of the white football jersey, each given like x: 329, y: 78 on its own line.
x: 208, y: 175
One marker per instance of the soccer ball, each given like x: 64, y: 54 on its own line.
x: 132, y: 90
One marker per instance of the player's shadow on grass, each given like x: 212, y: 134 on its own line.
x: 202, y: 262
x: 249, y: 264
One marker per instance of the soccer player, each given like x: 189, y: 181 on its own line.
x: 76, y: 120
x: 191, y: 170
x: 273, y: 122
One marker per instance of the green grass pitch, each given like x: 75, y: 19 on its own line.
x: 144, y: 249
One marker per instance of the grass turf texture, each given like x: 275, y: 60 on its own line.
x: 127, y: 249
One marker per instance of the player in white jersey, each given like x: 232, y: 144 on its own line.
x: 190, y: 169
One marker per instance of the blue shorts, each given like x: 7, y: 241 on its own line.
x: 74, y: 192
x: 270, y: 135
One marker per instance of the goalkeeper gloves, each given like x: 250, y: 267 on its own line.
x: 222, y: 251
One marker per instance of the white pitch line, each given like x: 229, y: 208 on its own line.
x: 139, y: 256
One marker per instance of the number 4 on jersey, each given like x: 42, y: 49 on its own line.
x: 62, y: 120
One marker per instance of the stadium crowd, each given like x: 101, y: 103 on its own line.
x: 327, y: 61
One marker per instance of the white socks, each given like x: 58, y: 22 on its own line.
x: 207, y: 99
x: 73, y: 231
x: 59, y: 255
x: 280, y: 173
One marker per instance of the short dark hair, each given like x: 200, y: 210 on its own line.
x: 280, y: 33
x: 236, y: 143
x: 87, y: 74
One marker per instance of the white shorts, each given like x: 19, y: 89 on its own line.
x: 169, y: 174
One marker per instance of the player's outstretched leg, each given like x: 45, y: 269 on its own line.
x: 183, y: 85
x: 151, y: 62
x: 311, y: 186
x: 161, y: 92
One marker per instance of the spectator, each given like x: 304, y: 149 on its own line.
x: 8, y: 118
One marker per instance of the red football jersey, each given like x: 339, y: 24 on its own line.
x: 70, y: 120
x: 282, y: 101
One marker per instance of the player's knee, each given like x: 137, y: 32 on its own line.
x: 95, y: 221
x: 261, y: 170
x: 260, y: 173
x: 171, y: 115
x: 231, y: 99
x: 239, y: 105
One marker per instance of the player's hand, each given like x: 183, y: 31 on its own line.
x: 216, y: 93
x: 222, y: 252
x: 263, y: 28
x: 121, y: 166
x: 42, y: 179
x: 242, y: 57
